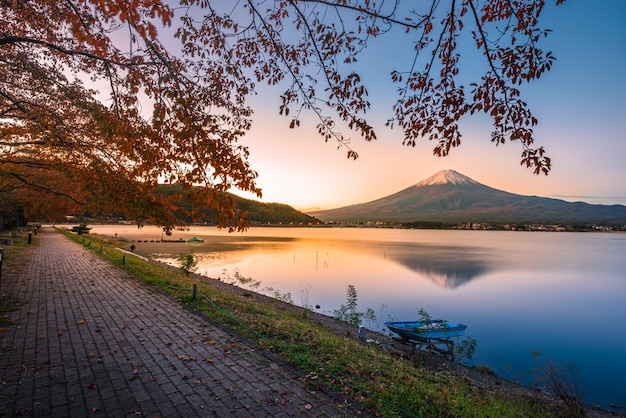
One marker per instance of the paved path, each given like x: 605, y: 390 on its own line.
x: 90, y: 341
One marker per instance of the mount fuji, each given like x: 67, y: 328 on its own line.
x: 449, y: 196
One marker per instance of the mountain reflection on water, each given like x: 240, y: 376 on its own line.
x: 447, y: 267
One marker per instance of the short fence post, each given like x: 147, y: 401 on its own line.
x: 195, y: 292
x: 124, y: 259
x: 1, y: 257
x: 30, y: 237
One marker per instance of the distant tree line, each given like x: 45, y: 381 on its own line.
x: 184, y: 208
x: 429, y: 225
x: 256, y: 212
x: 518, y: 226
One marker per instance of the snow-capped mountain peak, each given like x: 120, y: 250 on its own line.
x: 446, y: 177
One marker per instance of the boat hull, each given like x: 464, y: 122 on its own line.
x: 426, y: 330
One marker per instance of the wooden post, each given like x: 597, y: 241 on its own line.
x: 1, y: 257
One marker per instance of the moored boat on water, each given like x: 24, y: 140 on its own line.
x: 421, y: 330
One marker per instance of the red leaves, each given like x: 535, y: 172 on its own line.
x: 430, y: 106
x: 68, y: 140
x: 430, y: 101
x: 536, y: 158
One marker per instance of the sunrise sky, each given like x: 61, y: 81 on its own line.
x: 580, y: 104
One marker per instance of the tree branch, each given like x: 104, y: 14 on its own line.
x: 49, y: 190
x: 388, y: 18
x: 12, y: 39
x: 338, y: 137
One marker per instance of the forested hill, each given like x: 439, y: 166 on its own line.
x: 258, y: 212
x: 273, y: 213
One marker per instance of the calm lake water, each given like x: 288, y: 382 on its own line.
x: 559, y: 294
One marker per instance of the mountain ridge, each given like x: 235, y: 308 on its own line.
x: 258, y: 213
x: 449, y: 196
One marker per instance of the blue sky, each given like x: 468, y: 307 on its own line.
x: 580, y: 105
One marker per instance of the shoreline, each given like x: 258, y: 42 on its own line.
x: 330, y: 322
x: 487, y: 381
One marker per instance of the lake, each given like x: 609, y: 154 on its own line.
x: 561, y: 295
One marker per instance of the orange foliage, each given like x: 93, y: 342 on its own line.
x: 173, y: 84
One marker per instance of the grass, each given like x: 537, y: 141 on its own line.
x: 12, y: 257
x: 7, y: 305
x: 387, y: 385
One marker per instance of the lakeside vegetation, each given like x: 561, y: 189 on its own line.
x: 491, y: 226
x: 384, y: 383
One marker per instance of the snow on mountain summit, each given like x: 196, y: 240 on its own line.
x: 451, y: 197
x: 446, y: 177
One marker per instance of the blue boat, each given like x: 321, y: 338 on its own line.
x: 426, y: 330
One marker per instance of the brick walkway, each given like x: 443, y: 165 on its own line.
x: 90, y: 341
